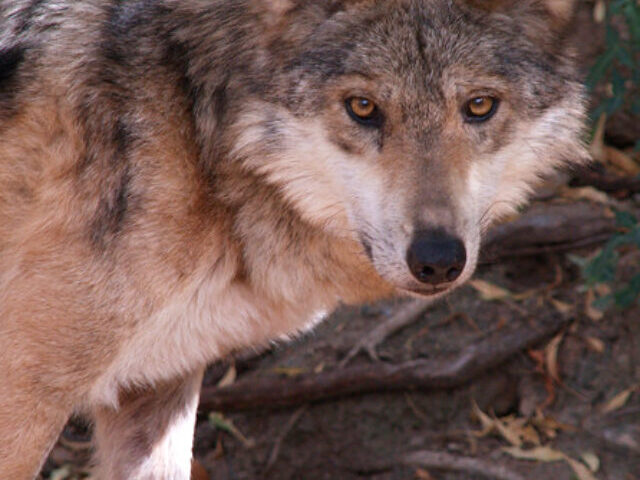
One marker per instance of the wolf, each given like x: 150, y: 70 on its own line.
x: 180, y: 180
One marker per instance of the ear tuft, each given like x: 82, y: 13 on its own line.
x: 560, y: 10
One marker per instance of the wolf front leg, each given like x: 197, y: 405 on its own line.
x: 150, y: 435
x: 31, y: 419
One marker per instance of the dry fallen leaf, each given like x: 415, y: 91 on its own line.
x: 220, y: 422
x: 289, y: 371
x: 585, y: 193
x: 622, y: 161
x: 198, y: 472
x: 580, y: 469
x: 599, y: 11
x: 422, y: 474
x: 595, y: 344
x: 489, y: 291
x: 597, y: 144
x: 591, y: 460
x: 619, y: 401
x: 485, y: 420
x: 593, y: 313
x: 551, y: 357
x: 561, y: 307
x: 540, y: 454
x: 514, y: 430
x: 229, y: 377
x: 548, y: 454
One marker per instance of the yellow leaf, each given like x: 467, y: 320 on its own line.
x: 619, y: 401
x: 489, y: 291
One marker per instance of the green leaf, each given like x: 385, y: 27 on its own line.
x: 602, y: 269
x: 601, y: 66
x: 603, y: 303
x: 626, y: 219
x: 626, y: 297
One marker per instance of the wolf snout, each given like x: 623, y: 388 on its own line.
x: 435, y: 257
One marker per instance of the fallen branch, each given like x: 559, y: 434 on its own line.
x: 423, y: 374
x: 549, y: 227
x: 447, y: 462
x: 406, y: 314
x: 620, y: 185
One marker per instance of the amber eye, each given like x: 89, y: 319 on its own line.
x: 480, y: 109
x: 363, y: 111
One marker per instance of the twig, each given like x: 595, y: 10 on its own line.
x: 423, y: 374
x: 275, y: 451
x: 456, y: 463
x: 406, y: 314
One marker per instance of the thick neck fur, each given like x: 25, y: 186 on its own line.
x: 273, y: 241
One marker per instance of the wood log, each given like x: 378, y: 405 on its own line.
x: 268, y: 392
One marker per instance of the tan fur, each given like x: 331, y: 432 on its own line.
x: 164, y: 202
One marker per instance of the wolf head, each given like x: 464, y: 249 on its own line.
x: 411, y: 125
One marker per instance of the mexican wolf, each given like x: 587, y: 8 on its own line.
x: 183, y: 179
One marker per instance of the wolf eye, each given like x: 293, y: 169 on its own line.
x: 363, y: 111
x: 480, y: 109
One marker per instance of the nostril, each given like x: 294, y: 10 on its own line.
x: 453, y: 273
x: 426, y: 273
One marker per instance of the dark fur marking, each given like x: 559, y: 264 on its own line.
x: 122, y: 137
x: 219, y: 99
x: 112, y: 212
x: 10, y: 60
x: 176, y: 58
x: 367, y: 247
x: 342, y: 144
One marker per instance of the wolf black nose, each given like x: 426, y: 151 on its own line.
x: 435, y: 257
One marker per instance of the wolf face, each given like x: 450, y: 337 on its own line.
x: 412, y: 128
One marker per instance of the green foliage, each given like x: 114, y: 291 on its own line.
x: 602, y: 268
x: 619, y: 69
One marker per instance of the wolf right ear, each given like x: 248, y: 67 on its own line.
x: 556, y: 14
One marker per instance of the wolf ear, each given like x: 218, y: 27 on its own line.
x: 556, y: 14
